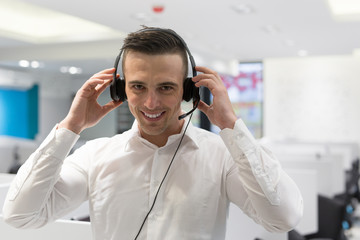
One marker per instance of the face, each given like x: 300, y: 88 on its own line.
x: 154, y: 89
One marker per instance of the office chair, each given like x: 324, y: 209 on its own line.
x: 331, y: 214
x: 351, y: 196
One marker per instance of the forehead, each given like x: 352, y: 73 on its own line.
x: 142, y: 61
x: 145, y: 67
x: 150, y: 56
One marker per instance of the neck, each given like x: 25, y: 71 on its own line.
x: 161, y: 139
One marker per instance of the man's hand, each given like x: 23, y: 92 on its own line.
x: 85, y: 111
x: 220, y: 112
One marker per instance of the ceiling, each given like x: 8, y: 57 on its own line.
x: 215, y: 31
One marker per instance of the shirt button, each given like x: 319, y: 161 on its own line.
x: 239, y: 136
x: 257, y: 170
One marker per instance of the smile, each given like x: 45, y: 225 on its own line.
x: 152, y: 116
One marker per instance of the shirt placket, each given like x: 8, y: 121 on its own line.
x: 157, y: 174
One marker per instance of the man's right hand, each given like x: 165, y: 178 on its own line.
x: 85, y: 111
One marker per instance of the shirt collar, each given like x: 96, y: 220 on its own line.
x: 135, y: 138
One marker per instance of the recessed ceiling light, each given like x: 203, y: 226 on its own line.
x: 31, y: 23
x: 243, y: 8
x: 71, y: 69
x: 24, y: 63
x: 35, y: 64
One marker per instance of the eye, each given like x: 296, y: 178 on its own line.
x: 138, y: 87
x: 166, y: 88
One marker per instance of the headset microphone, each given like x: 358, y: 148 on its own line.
x: 190, y: 112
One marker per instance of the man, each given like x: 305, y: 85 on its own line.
x: 161, y: 179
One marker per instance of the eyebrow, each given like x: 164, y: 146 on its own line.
x: 173, y: 84
x: 135, y: 82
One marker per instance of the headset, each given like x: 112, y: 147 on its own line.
x: 190, y: 91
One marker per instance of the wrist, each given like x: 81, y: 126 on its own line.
x: 229, y: 123
x: 71, y: 127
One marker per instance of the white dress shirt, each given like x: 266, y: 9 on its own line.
x: 120, y: 176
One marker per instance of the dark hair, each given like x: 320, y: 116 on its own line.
x: 154, y: 41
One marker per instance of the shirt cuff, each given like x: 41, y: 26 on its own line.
x: 238, y: 138
x: 59, y: 142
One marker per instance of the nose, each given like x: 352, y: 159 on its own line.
x: 152, y: 100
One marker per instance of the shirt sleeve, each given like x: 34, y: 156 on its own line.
x: 258, y: 184
x: 43, y: 190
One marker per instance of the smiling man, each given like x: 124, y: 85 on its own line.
x: 164, y: 178
x: 154, y: 90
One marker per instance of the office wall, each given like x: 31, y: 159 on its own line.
x: 312, y: 98
x: 56, y: 91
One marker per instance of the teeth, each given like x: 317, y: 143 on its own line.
x: 152, y: 115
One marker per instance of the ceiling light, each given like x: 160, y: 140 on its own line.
x: 24, y: 63
x: 345, y: 9
x: 75, y: 70
x: 243, y: 8
x: 35, y: 64
x: 71, y: 70
x: 31, y: 23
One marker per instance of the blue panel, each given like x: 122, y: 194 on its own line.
x: 33, y: 112
x: 19, y: 112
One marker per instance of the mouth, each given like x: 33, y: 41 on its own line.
x: 153, y: 116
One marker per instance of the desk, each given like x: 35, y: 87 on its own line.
x: 58, y: 230
x: 241, y: 227
x: 306, y: 180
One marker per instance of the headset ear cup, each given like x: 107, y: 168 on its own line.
x: 113, y: 90
x: 196, y: 95
x: 188, y: 88
x: 120, y: 85
x: 191, y: 91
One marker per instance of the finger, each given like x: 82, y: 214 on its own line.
x: 203, y: 107
x: 108, y: 71
x: 99, y: 79
x: 103, y: 76
x: 92, y: 83
x: 207, y: 81
x: 110, y: 106
x: 100, y: 88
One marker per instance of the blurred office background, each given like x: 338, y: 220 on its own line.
x: 292, y: 69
